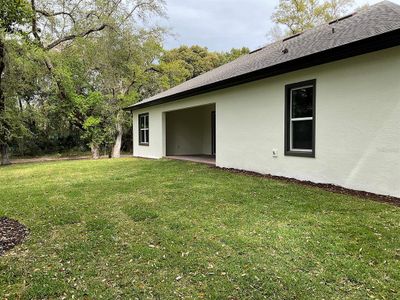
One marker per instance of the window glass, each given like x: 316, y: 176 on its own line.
x: 144, y: 129
x: 142, y: 136
x: 143, y: 122
x: 300, y: 119
x: 302, y: 135
x: 302, y: 102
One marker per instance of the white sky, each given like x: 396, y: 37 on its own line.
x: 223, y: 24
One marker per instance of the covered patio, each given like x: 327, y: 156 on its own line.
x: 191, y: 134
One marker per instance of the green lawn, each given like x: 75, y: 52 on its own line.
x: 130, y: 228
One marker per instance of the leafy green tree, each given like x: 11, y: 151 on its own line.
x: 234, y: 54
x: 123, y: 72
x: 95, y: 111
x: 117, y: 64
x: 13, y: 14
x: 78, y: 64
x: 299, y: 15
x: 184, y: 63
x: 57, y: 25
x: 24, y: 85
x: 196, y: 59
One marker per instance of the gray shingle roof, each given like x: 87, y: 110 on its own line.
x: 376, y: 20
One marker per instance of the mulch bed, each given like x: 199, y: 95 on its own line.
x: 12, y: 233
x: 328, y: 187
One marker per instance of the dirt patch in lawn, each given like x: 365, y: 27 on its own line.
x: 328, y: 187
x: 12, y: 233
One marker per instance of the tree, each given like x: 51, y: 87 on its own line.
x: 196, y: 59
x: 56, y: 25
x: 124, y: 71
x: 13, y: 14
x: 233, y: 54
x: 58, y: 22
x: 72, y: 66
x: 184, y: 63
x: 24, y: 82
x: 299, y: 15
x: 97, y: 121
x: 117, y: 64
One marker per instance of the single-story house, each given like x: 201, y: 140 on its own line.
x: 322, y: 106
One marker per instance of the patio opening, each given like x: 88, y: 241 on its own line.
x: 191, y: 134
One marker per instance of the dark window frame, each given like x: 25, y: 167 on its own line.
x: 288, y: 119
x: 144, y: 143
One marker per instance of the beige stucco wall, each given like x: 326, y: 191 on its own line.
x: 357, y: 124
x: 189, y: 131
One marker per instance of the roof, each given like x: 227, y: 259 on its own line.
x: 371, y: 29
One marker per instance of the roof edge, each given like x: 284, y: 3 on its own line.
x: 368, y: 45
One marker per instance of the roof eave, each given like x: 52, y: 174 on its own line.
x: 375, y: 43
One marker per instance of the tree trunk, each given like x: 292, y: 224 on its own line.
x: 2, y: 68
x: 116, y: 153
x: 4, y: 147
x: 62, y: 94
x: 95, y: 151
x: 5, y: 160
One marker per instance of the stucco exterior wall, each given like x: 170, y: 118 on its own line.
x: 357, y: 124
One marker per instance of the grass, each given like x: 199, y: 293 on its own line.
x: 130, y: 228
x: 55, y: 155
x: 59, y: 155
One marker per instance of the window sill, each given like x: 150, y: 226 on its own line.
x: 300, y: 154
x: 146, y: 145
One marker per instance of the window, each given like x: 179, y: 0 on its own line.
x: 300, y: 119
x: 144, y: 129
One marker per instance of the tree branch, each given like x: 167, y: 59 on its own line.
x: 54, y: 14
x: 153, y: 69
x: 34, y: 23
x: 130, y: 85
x: 74, y: 36
x: 136, y: 7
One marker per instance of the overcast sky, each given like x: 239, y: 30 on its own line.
x: 223, y: 24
